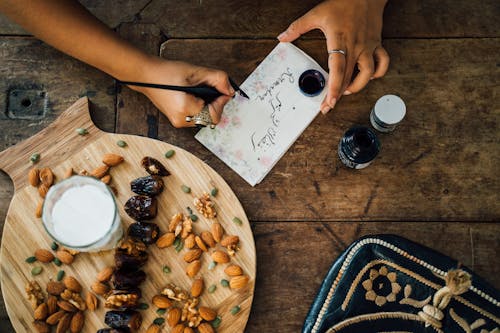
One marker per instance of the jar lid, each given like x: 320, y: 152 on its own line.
x: 390, y: 109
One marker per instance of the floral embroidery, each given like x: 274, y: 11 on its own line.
x: 381, y: 286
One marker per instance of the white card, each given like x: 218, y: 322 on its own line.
x: 254, y: 134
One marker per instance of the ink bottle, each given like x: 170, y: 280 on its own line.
x: 311, y: 82
x: 388, y: 112
x: 358, y: 147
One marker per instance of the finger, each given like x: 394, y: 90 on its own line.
x: 382, y: 61
x: 336, y: 66
x: 216, y: 108
x: 366, y: 68
x: 215, y: 78
x: 192, y: 107
x: 297, y: 28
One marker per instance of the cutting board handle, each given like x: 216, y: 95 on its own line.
x: 54, y: 143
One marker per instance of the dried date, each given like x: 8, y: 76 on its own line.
x: 141, y: 207
x: 123, y: 319
x: 114, y: 330
x: 150, y: 185
x: 127, y: 280
x: 145, y: 232
x: 154, y: 167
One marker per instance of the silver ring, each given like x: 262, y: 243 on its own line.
x: 344, y: 53
x: 203, y: 118
x: 188, y: 119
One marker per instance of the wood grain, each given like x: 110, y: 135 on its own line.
x: 439, y: 164
x: 185, y: 169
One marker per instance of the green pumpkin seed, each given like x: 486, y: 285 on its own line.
x: 179, y: 246
x: 224, y: 283
x: 235, y: 310
x: 159, y: 321
x: 190, y: 211
x: 60, y: 275
x: 176, y: 242
x: 143, y: 306
x: 237, y: 221
x: 186, y: 189
x: 161, y: 312
x: 54, y: 246
x: 216, y: 322
x: 214, y: 191
x: 166, y: 269
x: 30, y: 260
x: 121, y: 143
x: 36, y: 270
x: 212, y: 288
x: 57, y: 262
x: 212, y: 265
x: 82, y: 131
x: 193, y: 217
x: 170, y: 153
x: 35, y: 158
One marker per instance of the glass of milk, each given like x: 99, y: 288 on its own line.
x: 81, y: 213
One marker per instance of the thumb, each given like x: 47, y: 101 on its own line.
x: 217, y: 79
x: 296, y: 29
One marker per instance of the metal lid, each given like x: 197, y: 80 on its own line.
x: 390, y: 109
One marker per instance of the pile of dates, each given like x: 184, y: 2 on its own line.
x: 132, y: 253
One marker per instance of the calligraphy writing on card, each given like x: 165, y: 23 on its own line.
x: 254, y: 134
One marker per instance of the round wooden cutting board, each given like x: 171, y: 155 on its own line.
x: 61, y: 147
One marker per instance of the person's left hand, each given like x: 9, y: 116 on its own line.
x: 354, y: 26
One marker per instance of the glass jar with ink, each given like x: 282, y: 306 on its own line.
x: 358, y: 147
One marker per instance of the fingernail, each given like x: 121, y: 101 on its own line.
x: 281, y: 35
x: 325, y: 109
x: 231, y: 91
x: 371, y: 78
x: 347, y: 93
x: 333, y: 101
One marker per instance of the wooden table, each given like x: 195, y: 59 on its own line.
x: 435, y: 182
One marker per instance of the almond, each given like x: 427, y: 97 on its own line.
x: 46, y: 177
x: 112, y: 159
x: 200, y: 243
x: 100, y: 171
x: 190, y: 242
x: 52, y: 304
x: 41, y: 312
x: 91, y: 301
x: 44, y: 256
x: 193, y: 268
x: 233, y: 270
x: 55, y: 288
x: 77, y: 322
x: 166, y: 240
x: 68, y: 173
x: 33, y: 177
x: 153, y: 329
x: 220, y: 257
x: 64, y: 323
x: 99, y: 288
x: 178, y: 328
x: 65, y: 257
x: 54, y: 318
x: 106, y: 179
x: 173, y: 316
x: 229, y: 240
x: 41, y: 327
x: 42, y: 190
x: 162, y: 302
x: 105, y: 274
x: 239, y: 282
x: 67, y: 306
x: 188, y: 330
x: 192, y: 255
x: 208, y: 238
x: 217, y: 231
x: 205, y: 328
x: 39, y: 209
x: 207, y: 313
x: 197, y: 287
x: 72, y: 284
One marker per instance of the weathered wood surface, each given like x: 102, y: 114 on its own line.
x: 445, y: 153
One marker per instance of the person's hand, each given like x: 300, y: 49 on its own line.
x: 354, y: 26
x: 177, y: 105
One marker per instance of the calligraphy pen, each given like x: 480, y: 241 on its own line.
x: 207, y: 93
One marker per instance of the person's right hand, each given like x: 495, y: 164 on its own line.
x: 177, y: 105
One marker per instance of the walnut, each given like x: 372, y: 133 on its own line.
x: 190, y: 312
x: 187, y: 227
x: 232, y: 249
x: 115, y: 301
x: 175, y: 293
x: 75, y: 299
x: 174, y: 223
x: 34, y: 294
x: 132, y: 248
x: 205, y: 206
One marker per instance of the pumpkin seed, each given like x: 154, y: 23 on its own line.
x: 237, y: 221
x: 159, y: 321
x: 214, y: 191
x: 57, y: 262
x: 212, y: 265
x: 143, y: 306
x: 30, y: 260
x: 193, y: 217
x: 36, y: 270
x: 121, y: 143
x: 176, y: 242
x: 82, y: 131
x: 161, y: 312
x: 179, y: 246
x: 224, y: 283
x: 235, y: 310
x: 35, y: 158
x: 60, y: 275
x: 54, y: 246
x: 190, y: 211
x: 216, y: 322
x: 166, y: 269
x: 186, y: 189
x: 170, y: 153
x: 212, y: 288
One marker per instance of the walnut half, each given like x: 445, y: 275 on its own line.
x: 205, y: 206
